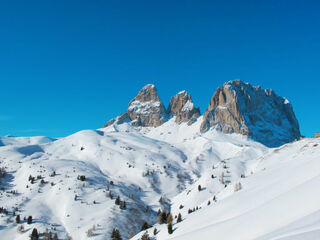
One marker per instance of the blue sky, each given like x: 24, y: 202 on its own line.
x: 72, y: 65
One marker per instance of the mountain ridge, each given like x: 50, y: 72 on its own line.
x: 235, y: 107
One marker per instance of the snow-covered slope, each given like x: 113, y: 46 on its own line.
x: 143, y: 165
x: 279, y: 199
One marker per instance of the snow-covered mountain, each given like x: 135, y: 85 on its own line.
x: 224, y: 185
x: 236, y: 107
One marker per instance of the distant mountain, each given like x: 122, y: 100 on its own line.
x: 236, y: 107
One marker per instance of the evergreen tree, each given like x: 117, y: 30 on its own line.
x: 117, y: 202
x: 29, y: 221
x: 18, y: 219
x: 34, y: 235
x: 163, y: 217
x: 179, y: 218
x: 145, y: 226
x: 145, y: 236
x: 55, y: 236
x: 123, y: 205
x: 170, y: 230
x: 115, y: 235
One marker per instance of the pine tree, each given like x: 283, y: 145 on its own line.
x: 170, y: 230
x: 145, y: 226
x: 18, y: 219
x: 163, y: 217
x: 116, y: 234
x: 117, y: 202
x: 29, y: 221
x: 55, y: 236
x: 179, y: 218
x: 145, y: 236
x: 199, y: 188
x: 34, y: 235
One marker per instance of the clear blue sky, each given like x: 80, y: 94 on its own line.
x: 72, y: 65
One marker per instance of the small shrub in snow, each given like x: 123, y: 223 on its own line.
x: 155, y: 231
x: 20, y: 229
x: 181, y: 206
x: 242, y: 175
x: 90, y: 232
x: 110, y: 195
x: 209, y: 202
x: 237, y: 187
x: 3, y: 172
x: 81, y: 177
x: 222, y: 178
x: 199, y: 187
x: 47, y: 235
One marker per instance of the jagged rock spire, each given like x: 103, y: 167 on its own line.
x: 146, y: 109
x: 182, y: 107
x: 237, y: 107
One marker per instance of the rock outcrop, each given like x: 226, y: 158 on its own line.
x: 237, y: 107
x: 182, y: 107
x: 145, y: 110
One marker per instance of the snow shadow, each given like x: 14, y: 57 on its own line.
x: 29, y: 150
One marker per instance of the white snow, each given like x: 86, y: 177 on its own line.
x: 188, y: 106
x: 279, y: 198
x: 143, y: 108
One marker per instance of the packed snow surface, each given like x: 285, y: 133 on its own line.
x: 278, y: 199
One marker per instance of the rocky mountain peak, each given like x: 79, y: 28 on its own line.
x: 146, y: 109
x: 147, y: 93
x: 238, y: 107
x: 181, y: 106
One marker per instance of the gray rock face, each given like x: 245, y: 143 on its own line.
x: 182, y: 107
x: 145, y: 110
x: 237, y: 107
